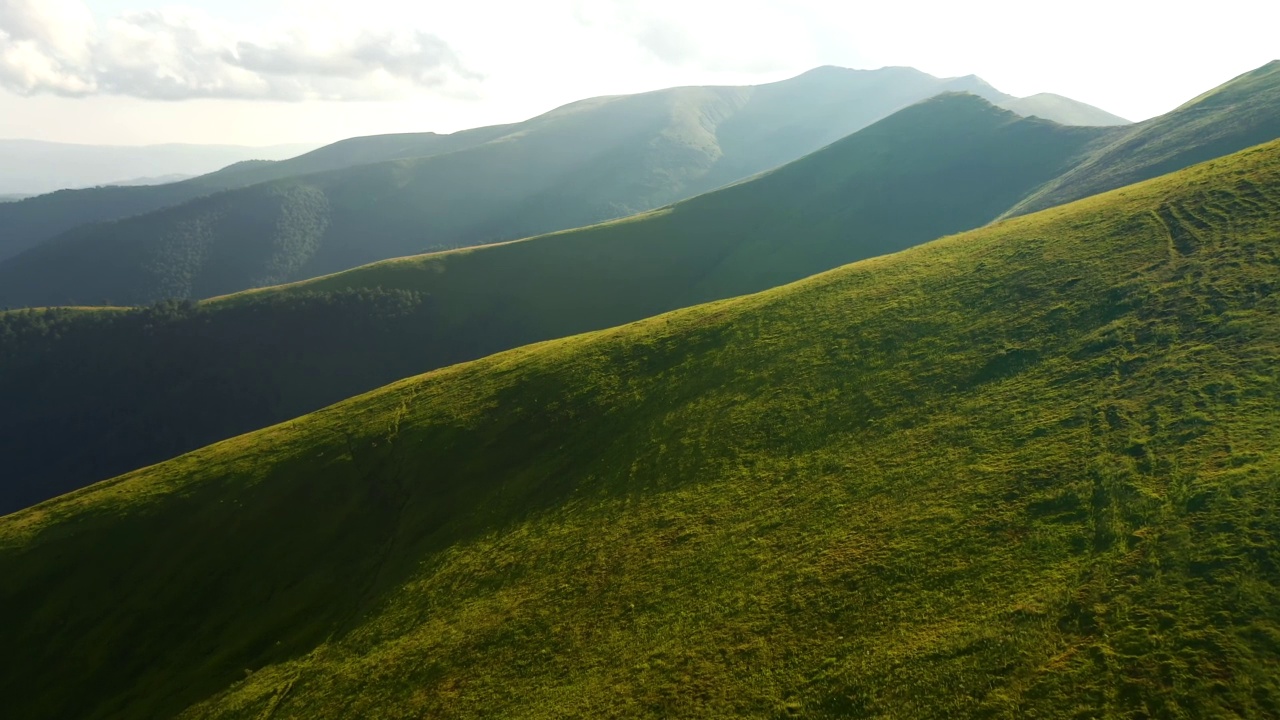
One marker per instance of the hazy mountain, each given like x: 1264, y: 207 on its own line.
x: 1028, y: 471
x: 1062, y: 109
x: 156, y: 180
x: 586, y: 162
x: 1048, y: 106
x: 25, y: 224
x: 33, y: 166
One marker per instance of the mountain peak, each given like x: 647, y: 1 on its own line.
x: 839, y: 71
x: 952, y: 101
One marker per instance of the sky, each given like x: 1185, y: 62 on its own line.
x: 259, y: 72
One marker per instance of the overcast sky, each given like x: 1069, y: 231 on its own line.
x: 274, y: 71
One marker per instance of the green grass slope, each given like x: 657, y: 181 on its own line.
x: 1239, y: 114
x: 1028, y: 471
x: 141, y: 387
x: 584, y: 163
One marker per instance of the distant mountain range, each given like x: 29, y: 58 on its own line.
x: 42, y: 217
x: 157, y: 180
x: 31, y: 167
x: 368, y: 199
x: 138, y: 386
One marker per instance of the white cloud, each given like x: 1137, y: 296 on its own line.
x: 1135, y: 59
x: 746, y: 36
x: 56, y: 47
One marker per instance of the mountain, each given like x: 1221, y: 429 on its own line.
x: 1239, y: 114
x: 33, y: 166
x: 1027, y: 471
x: 1062, y: 109
x: 153, y: 180
x: 583, y: 163
x: 170, y: 379
x: 28, y: 223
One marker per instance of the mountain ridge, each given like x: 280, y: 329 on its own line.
x: 1063, y: 109
x: 559, y: 170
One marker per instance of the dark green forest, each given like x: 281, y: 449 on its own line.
x: 89, y: 394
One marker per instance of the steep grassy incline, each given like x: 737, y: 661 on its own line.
x: 584, y: 163
x: 173, y: 378
x: 1028, y: 471
x: 25, y: 224
x: 1242, y: 113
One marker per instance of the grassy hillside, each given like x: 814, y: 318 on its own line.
x: 586, y: 162
x: 1239, y: 114
x: 175, y: 377
x: 1028, y: 471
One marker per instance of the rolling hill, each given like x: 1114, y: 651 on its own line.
x: 170, y: 379
x: 586, y: 162
x: 1027, y: 471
